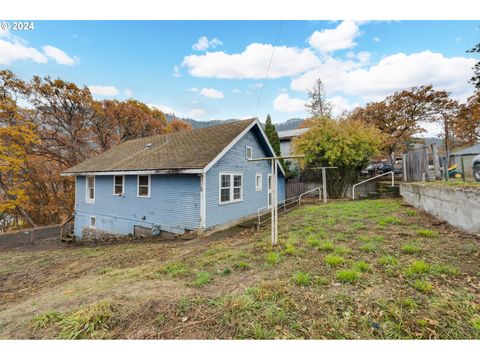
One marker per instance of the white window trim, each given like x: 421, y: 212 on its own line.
x: 246, y: 152
x: 123, y: 185
x: 90, y: 222
x: 231, y: 174
x: 87, y: 197
x: 258, y: 188
x: 149, y: 186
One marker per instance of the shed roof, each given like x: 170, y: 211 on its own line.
x: 178, y: 151
x: 470, y: 150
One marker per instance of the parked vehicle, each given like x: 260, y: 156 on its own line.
x: 476, y: 167
x: 385, y: 167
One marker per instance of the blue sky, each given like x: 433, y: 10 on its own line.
x: 216, y: 69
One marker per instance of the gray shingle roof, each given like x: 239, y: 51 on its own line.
x: 174, y: 152
x: 470, y: 150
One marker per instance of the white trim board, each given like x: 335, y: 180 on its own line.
x: 135, y: 172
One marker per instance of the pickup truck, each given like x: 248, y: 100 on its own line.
x: 476, y: 167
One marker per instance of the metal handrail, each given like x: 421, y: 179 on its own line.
x: 309, y: 191
x: 375, y: 177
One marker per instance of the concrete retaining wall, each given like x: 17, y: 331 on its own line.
x: 29, y: 236
x: 459, y: 206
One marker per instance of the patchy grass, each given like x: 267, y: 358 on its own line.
x: 235, y: 285
x: 334, y: 260
x: 347, y: 275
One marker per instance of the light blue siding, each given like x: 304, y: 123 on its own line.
x: 174, y: 204
x: 235, y: 161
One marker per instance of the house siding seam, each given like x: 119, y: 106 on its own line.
x: 234, y: 161
x: 174, y: 204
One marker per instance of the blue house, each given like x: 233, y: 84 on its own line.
x: 198, y: 180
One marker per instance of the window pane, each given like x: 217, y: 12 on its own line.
x: 225, y: 181
x: 259, y: 181
x: 118, y: 180
x: 143, y: 180
x: 237, y: 193
x: 92, y: 222
x: 118, y: 189
x: 90, y: 181
x: 269, y: 182
x: 143, y: 191
x: 91, y: 193
x: 225, y: 195
x: 237, y: 180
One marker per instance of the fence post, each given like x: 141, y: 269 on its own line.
x: 463, y: 168
x: 436, y: 162
x: 404, y: 166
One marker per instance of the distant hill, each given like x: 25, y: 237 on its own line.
x: 287, y: 125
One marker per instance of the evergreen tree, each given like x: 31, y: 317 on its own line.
x: 272, y: 135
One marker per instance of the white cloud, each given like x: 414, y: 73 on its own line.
x: 392, y: 73
x: 197, y: 113
x: 128, y: 92
x: 376, y: 39
x: 59, y: 56
x: 256, y: 86
x: 203, y: 43
x: 106, y: 91
x: 341, y: 104
x: 193, y: 89
x: 284, y: 103
x: 341, y: 37
x: 12, y: 50
x: 252, y: 63
x: 236, y: 91
x: 165, y: 109
x: 432, y: 129
x: 212, y: 93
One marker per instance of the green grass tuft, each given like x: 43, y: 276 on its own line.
x: 422, y: 285
x: 243, y: 265
x: 410, y: 212
x: 312, y: 241
x: 326, y: 245
x: 341, y: 250
x: 272, y: 258
x: 445, y: 269
x: 475, y: 321
x: 289, y: 249
x: 226, y: 272
x: 347, y: 275
x: 410, y: 249
x: 334, y: 260
x: 388, y: 260
x: 302, y: 278
x: 427, y: 233
x: 176, y: 269
x: 417, y: 267
x: 362, y: 266
x: 202, y: 278
x: 41, y: 321
x: 389, y: 220
x: 408, y: 303
x: 368, y: 247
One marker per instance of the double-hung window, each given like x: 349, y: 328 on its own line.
x: 231, y: 187
x: 90, y: 189
x: 118, y: 185
x: 258, y: 182
x: 248, y: 152
x: 143, y: 188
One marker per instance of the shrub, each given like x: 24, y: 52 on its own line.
x: 334, y: 260
x: 418, y: 267
x: 362, y: 266
x: 427, y: 233
x: 326, y: 245
x: 422, y: 285
x: 272, y: 258
x: 388, y: 260
x: 226, y: 272
x: 202, y: 278
x: 302, y: 278
x: 410, y: 249
x: 348, y: 275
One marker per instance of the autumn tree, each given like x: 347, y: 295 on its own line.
x: 178, y: 125
x: 347, y: 144
x: 466, y: 124
x: 317, y: 104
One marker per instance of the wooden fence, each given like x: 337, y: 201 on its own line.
x: 29, y: 236
x: 416, y: 164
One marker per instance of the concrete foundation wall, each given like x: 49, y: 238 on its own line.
x: 459, y: 206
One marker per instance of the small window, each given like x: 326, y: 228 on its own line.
x: 90, y: 189
x: 93, y: 222
x: 248, y: 152
x: 258, y: 182
x: 118, y: 184
x: 143, y: 186
x: 231, y: 188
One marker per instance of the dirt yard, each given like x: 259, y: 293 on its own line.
x: 365, y: 269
